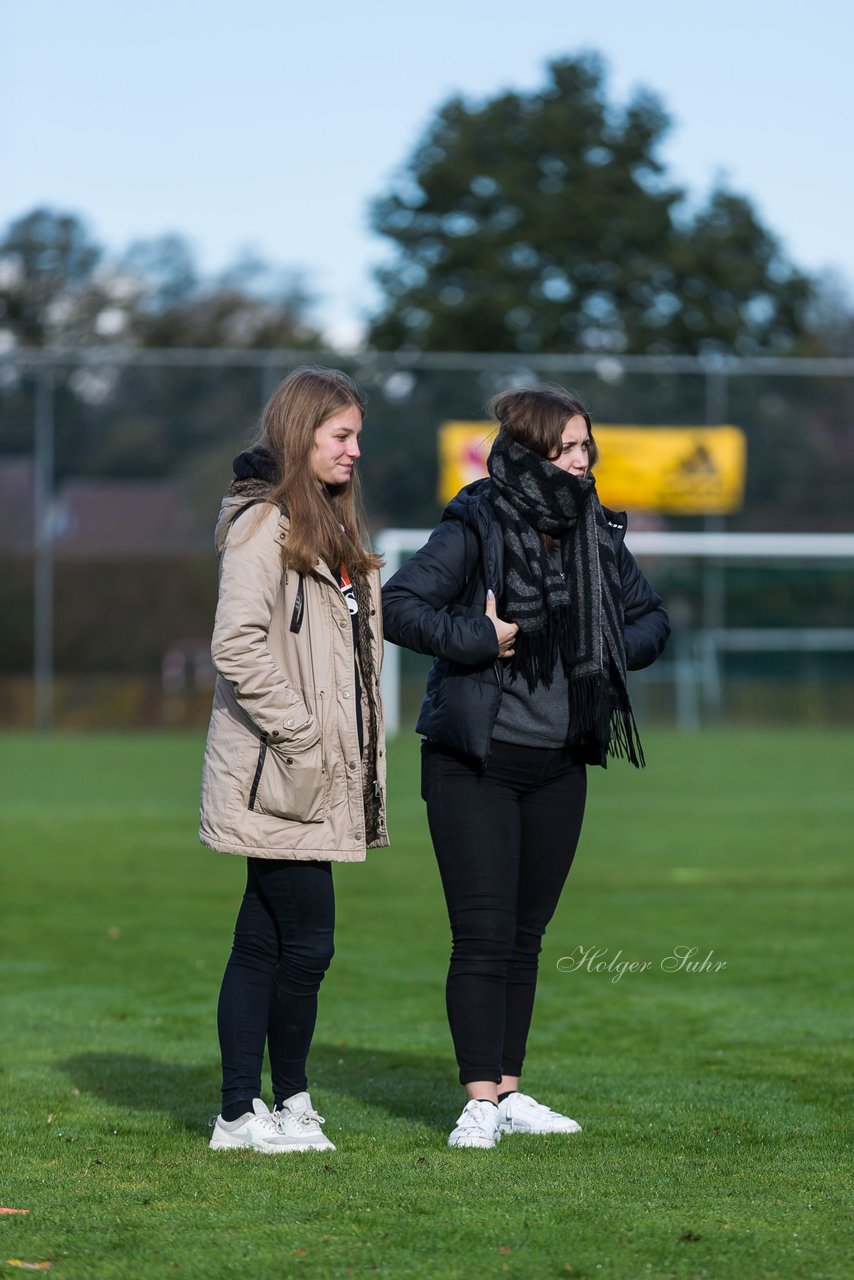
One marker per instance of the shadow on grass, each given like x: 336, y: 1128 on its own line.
x: 139, y: 1083
x: 407, y: 1086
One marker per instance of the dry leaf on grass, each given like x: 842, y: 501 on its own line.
x: 28, y: 1266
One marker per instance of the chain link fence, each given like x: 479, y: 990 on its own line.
x: 113, y: 463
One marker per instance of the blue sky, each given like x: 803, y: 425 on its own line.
x: 270, y: 125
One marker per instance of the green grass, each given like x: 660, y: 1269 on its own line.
x: 715, y: 1105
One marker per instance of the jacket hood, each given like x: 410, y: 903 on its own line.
x: 466, y: 503
x: 257, y: 463
x: 255, y: 473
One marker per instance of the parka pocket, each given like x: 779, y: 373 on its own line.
x: 289, y: 783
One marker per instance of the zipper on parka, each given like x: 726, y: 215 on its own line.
x: 262, y: 754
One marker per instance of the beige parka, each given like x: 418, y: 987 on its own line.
x: 282, y: 774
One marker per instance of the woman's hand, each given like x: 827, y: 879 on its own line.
x: 506, y: 631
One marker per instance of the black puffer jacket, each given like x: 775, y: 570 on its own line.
x: 435, y: 604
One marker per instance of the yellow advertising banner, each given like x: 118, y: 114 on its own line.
x: 672, y: 470
x: 463, y: 450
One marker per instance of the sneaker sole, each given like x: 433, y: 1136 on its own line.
x: 244, y: 1146
x: 308, y: 1146
x: 473, y: 1146
x: 545, y: 1133
x: 476, y: 1144
x: 278, y: 1149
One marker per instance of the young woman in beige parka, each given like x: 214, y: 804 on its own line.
x: 294, y: 770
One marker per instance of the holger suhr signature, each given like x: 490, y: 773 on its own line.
x: 679, y: 960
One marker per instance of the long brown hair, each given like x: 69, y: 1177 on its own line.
x: 325, y: 521
x: 536, y: 416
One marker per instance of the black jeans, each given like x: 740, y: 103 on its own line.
x: 283, y: 945
x: 504, y: 839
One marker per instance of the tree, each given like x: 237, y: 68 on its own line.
x: 546, y: 222
x: 832, y: 316
x: 48, y: 263
x: 59, y: 288
x: 249, y: 304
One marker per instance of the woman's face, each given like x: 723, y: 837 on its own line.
x: 336, y: 446
x: 575, y: 442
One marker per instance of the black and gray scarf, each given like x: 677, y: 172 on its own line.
x: 568, y: 606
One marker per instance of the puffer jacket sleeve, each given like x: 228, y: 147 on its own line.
x: 249, y: 585
x: 646, y: 625
x: 418, y: 601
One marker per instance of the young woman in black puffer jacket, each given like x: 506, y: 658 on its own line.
x: 533, y: 610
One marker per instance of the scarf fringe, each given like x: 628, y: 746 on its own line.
x: 592, y: 719
x: 624, y: 740
x: 538, y: 652
x: 370, y: 683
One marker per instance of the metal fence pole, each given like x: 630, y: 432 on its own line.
x: 388, y: 548
x: 714, y: 580
x: 43, y: 551
x: 271, y: 376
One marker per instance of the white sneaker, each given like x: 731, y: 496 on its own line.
x: 256, y: 1129
x: 298, y: 1125
x: 520, y: 1114
x: 477, y: 1126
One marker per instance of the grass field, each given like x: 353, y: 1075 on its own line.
x: 715, y: 1104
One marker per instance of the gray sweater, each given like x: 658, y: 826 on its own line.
x: 538, y: 719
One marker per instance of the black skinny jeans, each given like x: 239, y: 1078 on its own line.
x: 504, y: 839
x: 283, y: 945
